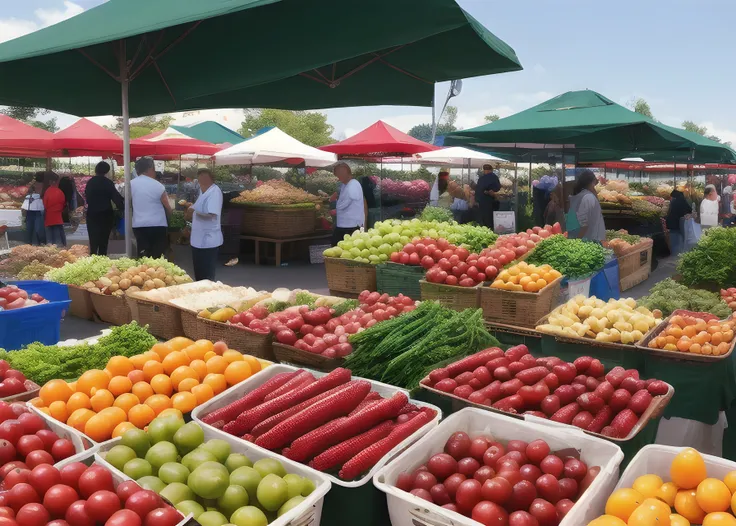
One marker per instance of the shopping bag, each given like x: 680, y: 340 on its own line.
x: 572, y: 224
x: 691, y: 232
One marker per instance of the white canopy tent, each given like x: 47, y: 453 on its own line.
x: 456, y: 156
x: 274, y: 147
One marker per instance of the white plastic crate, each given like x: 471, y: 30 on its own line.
x: 407, y: 510
x: 82, y: 445
x: 236, y: 392
x: 309, y: 512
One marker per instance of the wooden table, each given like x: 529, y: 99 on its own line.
x: 279, y: 242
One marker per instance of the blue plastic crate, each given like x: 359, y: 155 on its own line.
x: 48, y: 289
x: 40, y: 323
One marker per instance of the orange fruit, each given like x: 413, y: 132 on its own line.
x: 136, y: 376
x: 255, y: 364
x: 161, y: 384
x: 203, y: 392
x: 184, y: 401
x: 126, y: 401
x: 120, y: 365
x: 729, y: 479
x: 719, y: 518
x: 142, y: 390
x: 232, y: 355
x: 216, y: 381
x: 102, y: 399
x: 198, y: 349
x: 158, y: 402
x: 58, y: 411
x: 531, y: 287
x: 689, y: 331
x: 667, y: 493
x: 217, y: 365
x: 139, y: 360
x: 182, y: 373
x: 686, y: 505
x: 44, y: 410
x: 623, y: 502
x: 121, y: 428
x: 79, y: 418
x: 55, y: 390
x: 187, y: 384
x: 219, y: 347
x: 651, y: 511
x: 647, y: 485
x: 150, y: 355
x: 236, y: 372
x: 36, y: 402
x: 678, y: 520
x: 141, y: 415
x: 120, y: 385
x: 73, y: 386
x: 92, y: 379
x: 151, y: 369
x: 78, y: 401
x: 713, y: 495
x: 200, y: 367
x: 179, y: 343
x: 162, y: 350
x: 113, y: 414
x: 687, y: 470
x: 174, y: 360
x: 99, y: 428
x: 209, y: 355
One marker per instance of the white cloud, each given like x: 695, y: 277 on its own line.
x: 724, y: 134
x: 533, y: 98
x: 11, y: 28
x: 539, y: 69
x: 49, y: 17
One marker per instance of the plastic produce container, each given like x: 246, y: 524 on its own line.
x: 48, y: 289
x: 407, y: 510
x: 308, y: 512
x: 40, y: 323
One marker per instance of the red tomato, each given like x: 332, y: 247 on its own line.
x: 126, y: 489
x: 77, y: 515
x: 143, y: 502
x: 10, y: 466
x: 58, y: 499
x: 33, y: 514
x: 22, y: 493
x: 31, y: 422
x: 38, y: 457
x: 16, y: 476
x: 48, y: 437
x: 5, y: 511
x: 95, y: 478
x: 7, y: 521
x: 163, y: 517
x: 70, y: 474
x: 62, y: 449
x: 124, y: 518
x: 7, y: 452
x: 101, y: 505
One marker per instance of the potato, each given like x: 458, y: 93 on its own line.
x: 124, y: 284
x: 158, y: 283
x: 115, y: 279
x: 114, y: 287
x: 137, y: 281
x: 149, y: 285
x: 133, y: 288
x: 151, y: 272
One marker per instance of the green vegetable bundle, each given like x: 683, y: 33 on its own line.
x: 476, y: 238
x: 712, y: 261
x: 93, y: 268
x: 574, y: 258
x: 669, y: 295
x: 436, y: 213
x: 403, y: 350
x: 622, y: 234
x: 41, y: 363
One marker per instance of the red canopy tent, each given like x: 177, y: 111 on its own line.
x: 379, y: 140
x: 170, y: 144
x: 18, y: 139
x: 85, y: 138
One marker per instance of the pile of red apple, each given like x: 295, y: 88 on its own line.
x: 579, y: 393
x: 516, y: 484
x: 11, y: 298
x: 729, y: 296
x: 12, y: 382
x: 427, y: 252
x: 77, y: 495
x: 523, y: 242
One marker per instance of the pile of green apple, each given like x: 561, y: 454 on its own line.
x: 376, y: 245
x: 206, y: 479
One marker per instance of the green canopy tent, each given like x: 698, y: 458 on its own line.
x: 212, y: 132
x: 135, y: 57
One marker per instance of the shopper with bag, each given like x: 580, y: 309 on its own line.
x: 585, y: 218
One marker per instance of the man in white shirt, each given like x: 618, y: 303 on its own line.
x: 350, y: 206
x: 206, y: 237
x: 33, y: 210
x: 151, y: 210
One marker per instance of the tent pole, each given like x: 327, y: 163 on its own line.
x: 126, y: 151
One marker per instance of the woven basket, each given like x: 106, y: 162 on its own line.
x: 163, y: 320
x: 393, y: 278
x: 111, y: 309
x: 278, y: 223
x: 519, y: 308
x: 81, y: 305
x: 346, y: 275
x: 192, y: 325
x: 244, y: 340
x: 451, y: 296
x: 294, y: 356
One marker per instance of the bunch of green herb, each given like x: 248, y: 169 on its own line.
x: 574, y: 258
x: 476, y: 238
x: 278, y: 306
x: 712, y: 261
x: 305, y: 298
x: 436, y: 213
x: 177, y: 221
x: 622, y: 234
x: 81, y: 271
x: 669, y: 295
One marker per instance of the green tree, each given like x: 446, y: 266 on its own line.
x: 29, y: 115
x: 144, y: 126
x: 642, y: 107
x: 692, y: 127
x: 308, y: 127
x: 491, y: 118
x: 423, y: 132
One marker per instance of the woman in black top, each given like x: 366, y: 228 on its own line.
x: 100, y: 195
x: 679, y: 208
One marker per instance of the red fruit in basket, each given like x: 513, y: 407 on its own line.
x: 468, y: 466
x: 504, y: 464
x: 478, y: 447
x: 550, y: 405
x: 590, y: 402
x: 566, y: 413
x: 404, y: 482
x: 15, y: 476
x: 578, y: 389
x: 616, y: 375
x: 422, y: 494
x: 596, y: 368
x: 484, y: 473
x: 591, y: 384
x: 489, y: 514
x: 604, y: 390
x: 492, y: 454
x: 624, y: 422
x: 568, y: 488
x: 58, y: 499
x: 447, y: 385
x: 619, y: 400
x: 522, y: 495
x: 563, y: 508
x: 48, y: 437
x: 424, y: 480
x: 609, y: 431
x: 38, y: 457
x: 11, y: 430
x: 565, y: 372
x: 582, y: 363
x: 512, y: 475
x: 552, y: 381
x: 463, y: 391
x: 517, y: 456
x: 95, y: 478
x: 575, y: 469
x: 464, y: 378
x: 516, y: 352
x: 71, y: 473
x: 657, y: 387
x: 640, y: 402
x: 516, y: 445
x: 468, y: 494
x: 511, y: 387
x: 530, y: 472
x: 439, y: 374
x: 496, y: 490
x: 548, y: 487
x: 7, y: 468
x: 33, y: 514
x: 439, y: 494
x: 565, y: 393
x: 43, y: 477
x: 533, y: 395
x: 582, y: 420
x: 502, y: 373
x: 552, y: 465
x: 6, y: 413
x: 458, y: 445
x: 21, y: 494
x: 62, y: 449
x: 453, y: 482
x: 442, y: 465
x: 601, y: 419
x: 536, y: 451
x: 580, y: 379
x: 7, y: 452
x: 483, y: 375
x: 588, y: 479
x: 630, y: 384
x: 495, y: 363
x: 522, y: 518
x: 492, y: 391
x: 31, y: 422
x: 544, y: 511
x: 517, y: 367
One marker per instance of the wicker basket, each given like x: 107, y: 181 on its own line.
x: 518, y: 308
x: 346, y: 275
x: 241, y: 339
x: 192, y: 325
x: 81, y: 305
x: 278, y: 222
x: 393, y: 278
x: 111, y: 309
x: 294, y: 356
x: 451, y: 296
x: 163, y: 320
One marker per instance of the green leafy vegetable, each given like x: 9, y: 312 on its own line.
x: 476, y: 238
x: 305, y: 298
x: 712, y: 261
x: 436, y: 213
x: 345, y: 306
x: 622, y: 234
x: 278, y: 306
x: 669, y: 295
x: 574, y: 258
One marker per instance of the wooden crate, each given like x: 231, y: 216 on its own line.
x: 292, y: 355
x: 111, y: 309
x: 518, y: 308
x: 81, y: 305
x: 239, y: 338
x: 278, y: 222
x: 346, y: 275
x: 393, y: 278
x: 634, y: 279
x: 451, y: 296
x: 633, y: 262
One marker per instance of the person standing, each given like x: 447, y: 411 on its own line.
x: 584, y: 205
x: 54, y: 202
x: 350, y: 207
x: 679, y: 209
x: 206, y: 237
x: 709, y: 208
x: 32, y: 208
x: 100, y: 195
x: 485, y: 195
x: 151, y: 210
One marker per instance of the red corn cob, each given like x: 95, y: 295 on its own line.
x: 370, y: 397
x: 470, y: 363
x: 344, y: 451
x: 248, y: 438
x: 371, y: 455
x: 283, y: 415
x: 363, y: 405
x: 321, y: 431
x: 247, y: 420
x: 252, y: 399
x: 317, y: 441
x: 408, y: 408
x: 290, y: 385
x: 339, y: 404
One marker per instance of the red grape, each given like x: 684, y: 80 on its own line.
x: 548, y: 488
x: 492, y: 454
x: 530, y: 472
x: 478, y: 447
x: 563, y: 507
x: 544, y: 512
x: 422, y: 494
x: 424, y: 480
x: 452, y: 483
x: 522, y: 518
x: 442, y: 466
x: 516, y: 445
x: 439, y: 494
x: 575, y: 469
x: 512, y: 475
x: 458, y: 445
x: 484, y: 473
x: 468, y: 466
x: 568, y: 488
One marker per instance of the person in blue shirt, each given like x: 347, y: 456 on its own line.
x: 485, y: 195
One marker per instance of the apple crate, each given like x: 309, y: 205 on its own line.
x: 308, y: 512
x: 451, y: 296
x: 406, y: 509
x: 394, y: 278
x: 291, y: 355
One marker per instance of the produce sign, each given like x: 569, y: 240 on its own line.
x: 26, y: 262
x: 81, y: 495
x: 172, y: 459
x: 578, y: 393
x: 515, y: 483
x: 525, y: 277
x: 276, y: 192
x: 131, y: 392
x: 87, y: 272
x: 338, y: 423
x: 712, y: 261
x: 573, y: 258
x: 668, y: 296
x: 403, y: 350
x: 11, y: 298
x: 688, y: 496
x: 618, y: 321
x: 694, y: 334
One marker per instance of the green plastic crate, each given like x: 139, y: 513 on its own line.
x: 393, y: 278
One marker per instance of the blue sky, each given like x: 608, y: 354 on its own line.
x: 676, y: 54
